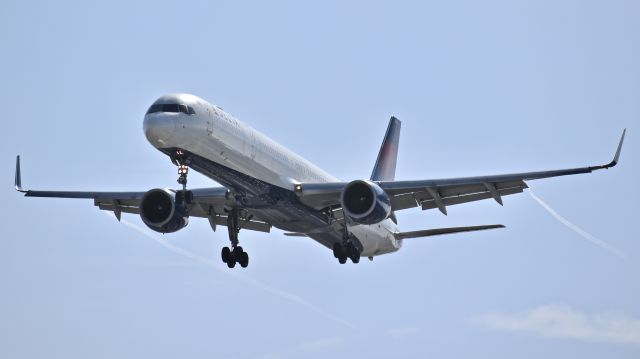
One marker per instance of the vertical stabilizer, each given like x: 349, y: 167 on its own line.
x: 385, y: 169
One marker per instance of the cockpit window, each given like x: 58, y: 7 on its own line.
x: 154, y: 109
x: 171, y: 107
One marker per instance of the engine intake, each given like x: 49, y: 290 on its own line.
x: 365, y: 202
x: 160, y: 211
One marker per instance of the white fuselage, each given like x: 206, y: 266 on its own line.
x: 219, y: 137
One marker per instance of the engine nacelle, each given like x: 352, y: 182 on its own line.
x: 365, y: 202
x: 160, y: 212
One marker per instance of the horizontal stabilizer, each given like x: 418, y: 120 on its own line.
x: 294, y: 234
x: 439, y: 231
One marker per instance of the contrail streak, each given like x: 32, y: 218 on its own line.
x: 584, y: 234
x: 206, y: 261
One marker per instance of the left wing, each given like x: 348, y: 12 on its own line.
x: 440, y: 193
x: 210, y: 203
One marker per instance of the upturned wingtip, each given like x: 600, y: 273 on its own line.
x: 18, y: 181
x: 616, y: 158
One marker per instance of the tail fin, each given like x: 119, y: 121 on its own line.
x: 385, y: 168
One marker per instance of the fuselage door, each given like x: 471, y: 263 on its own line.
x: 209, y: 121
x: 209, y: 126
x: 253, y: 145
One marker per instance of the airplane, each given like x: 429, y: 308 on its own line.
x: 265, y: 185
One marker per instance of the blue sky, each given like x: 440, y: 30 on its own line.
x: 481, y: 87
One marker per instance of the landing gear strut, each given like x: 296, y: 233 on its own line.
x: 235, y: 254
x: 186, y: 197
x: 346, y: 249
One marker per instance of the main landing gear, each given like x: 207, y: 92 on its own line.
x: 346, y: 249
x: 235, y: 254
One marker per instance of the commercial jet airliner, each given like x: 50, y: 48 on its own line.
x: 265, y: 185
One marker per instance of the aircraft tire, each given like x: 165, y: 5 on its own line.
x: 336, y: 250
x: 354, y: 254
x: 244, y: 260
x: 225, y: 254
x: 237, y: 252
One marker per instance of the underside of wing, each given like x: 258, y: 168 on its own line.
x: 210, y: 203
x: 443, y: 196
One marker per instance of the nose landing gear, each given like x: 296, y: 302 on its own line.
x: 184, y: 196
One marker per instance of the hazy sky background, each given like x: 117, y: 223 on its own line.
x: 481, y: 87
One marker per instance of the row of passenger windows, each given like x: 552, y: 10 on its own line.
x: 171, y: 107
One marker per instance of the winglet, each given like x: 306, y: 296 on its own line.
x: 616, y: 158
x: 18, y: 183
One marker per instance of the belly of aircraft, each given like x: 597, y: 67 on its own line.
x: 282, y: 209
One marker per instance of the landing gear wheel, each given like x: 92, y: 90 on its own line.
x: 346, y: 249
x: 226, y: 254
x: 231, y: 263
x: 237, y: 252
x: 336, y: 250
x: 354, y: 253
x: 243, y: 260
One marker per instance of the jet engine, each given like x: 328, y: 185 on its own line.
x: 160, y: 211
x: 365, y: 202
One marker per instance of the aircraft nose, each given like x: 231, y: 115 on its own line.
x: 158, y: 128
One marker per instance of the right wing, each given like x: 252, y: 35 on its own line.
x: 440, y: 193
x: 211, y: 203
